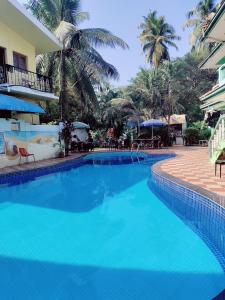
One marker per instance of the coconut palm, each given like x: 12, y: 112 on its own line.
x: 156, y: 36
x: 78, y: 67
x: 199, y: 18
x: 117, y: 113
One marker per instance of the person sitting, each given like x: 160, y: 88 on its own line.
x: 89, y: 145
x: 76, y: 144
x: 127, y: 143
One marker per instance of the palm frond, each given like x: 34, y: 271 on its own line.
x: 100, y: 37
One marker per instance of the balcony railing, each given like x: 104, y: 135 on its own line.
x: 19, y: 77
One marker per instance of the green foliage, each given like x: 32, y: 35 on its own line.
x: 204, y: 131
x: 173, y: 87
x: 117, y: 113
x: 158, y: 91
x: 156, y: 36
x: 198, y: 19
x: 197, y: 131
x: 78, y: 68
x: 205, y: 134
x: 192, y: 136
x: 192, y: 83
x: 80, y: 73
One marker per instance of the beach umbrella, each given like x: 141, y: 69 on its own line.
x: 80, y: 125
x: 153, y: 123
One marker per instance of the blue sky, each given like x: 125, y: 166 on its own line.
x: 122, y: 17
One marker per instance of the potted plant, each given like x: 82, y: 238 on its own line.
x: 61, y: 151
x: 65, y: 136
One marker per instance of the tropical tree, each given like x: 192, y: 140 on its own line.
x: 165, y: 82
x: 192, y: 82
x: 156, y: 37
x: 117, y: 113
x: 78, y: 67
x: 173, y: 87
x: 199, y: 18
x: 143, y: 93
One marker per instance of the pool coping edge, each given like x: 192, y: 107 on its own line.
x: 212, y: 196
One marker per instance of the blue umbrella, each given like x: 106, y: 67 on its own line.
x: 80, y: 125
x: 152, y: 123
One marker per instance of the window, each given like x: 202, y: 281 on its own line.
x: 15, y: 126
x: 19, y: 61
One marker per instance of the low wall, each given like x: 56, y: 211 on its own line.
x: 41, y: 140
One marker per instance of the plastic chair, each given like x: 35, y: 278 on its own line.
x: 23, y: 153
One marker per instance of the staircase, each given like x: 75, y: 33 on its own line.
x: 217, y: 140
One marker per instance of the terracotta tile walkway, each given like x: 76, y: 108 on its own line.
x: 39, y: 164
x: 191, y: 165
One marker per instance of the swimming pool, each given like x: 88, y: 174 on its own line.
x: 100, y: 228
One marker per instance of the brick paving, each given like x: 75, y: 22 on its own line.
x: 192, y: 166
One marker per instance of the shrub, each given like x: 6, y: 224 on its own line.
x: 204, y: 131
x: 192, y: 136
x: 205, y: 134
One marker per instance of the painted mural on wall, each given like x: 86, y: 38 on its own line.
x: 40, y: 140
x: 35, y: 142
x: 2, y: 143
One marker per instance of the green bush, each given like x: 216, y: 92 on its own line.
x: 192, y: 136
x: 204, y: 131
x: 205, y: 134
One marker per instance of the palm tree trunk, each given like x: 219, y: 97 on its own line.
x: 62, y: 98
x: 63, y: 102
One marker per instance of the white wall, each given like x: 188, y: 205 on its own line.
x: 41, y: 140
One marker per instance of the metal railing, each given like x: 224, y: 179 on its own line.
x: 20, y: 77
x: 217, y: 137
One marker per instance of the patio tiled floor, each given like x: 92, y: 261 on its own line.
x: 192, y: 165
x: 39, y: 164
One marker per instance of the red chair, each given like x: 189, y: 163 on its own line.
x: 23, y: 153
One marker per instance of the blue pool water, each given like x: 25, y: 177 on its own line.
x: 99, y: 232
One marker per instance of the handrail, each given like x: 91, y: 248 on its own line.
x: 20, y: 77
x: 26, y: 71
x: 217, y: 137
x: 217, y: 125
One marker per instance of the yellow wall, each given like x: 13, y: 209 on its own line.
x: 14, y: 42
x: 31, y: 118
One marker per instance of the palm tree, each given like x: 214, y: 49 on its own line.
x: 199, y: 18
x: 117, y: 113
x: 78, y: 67
x: 156, y: 36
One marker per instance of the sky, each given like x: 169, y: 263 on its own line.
x: 122, y: 17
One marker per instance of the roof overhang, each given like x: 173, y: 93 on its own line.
x: 215, y: 92
x: 215, y: 59
x: 216, y: 105
x: 215, y: 99
x: 215, y: 31
x: 27, y: 92
x: 27, y: 26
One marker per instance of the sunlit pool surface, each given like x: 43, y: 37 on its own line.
x: 98, y: 232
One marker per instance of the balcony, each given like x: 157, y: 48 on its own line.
x: 11, y: 76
